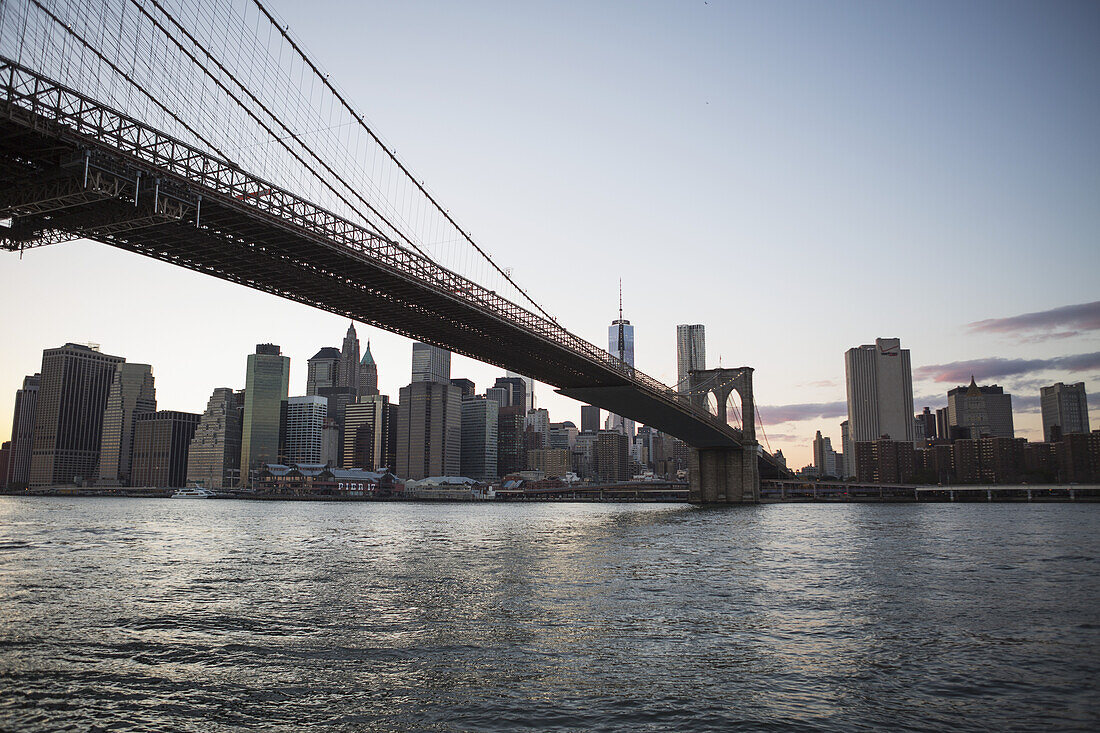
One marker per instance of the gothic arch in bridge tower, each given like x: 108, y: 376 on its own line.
x: 725, y: 475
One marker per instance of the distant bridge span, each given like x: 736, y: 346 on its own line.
x: 71, y: 168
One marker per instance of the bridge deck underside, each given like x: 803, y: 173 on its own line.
x: 233, y: 242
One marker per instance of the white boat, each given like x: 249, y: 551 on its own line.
x: 193, y: 492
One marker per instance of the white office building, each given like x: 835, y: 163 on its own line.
x: 880, y: 393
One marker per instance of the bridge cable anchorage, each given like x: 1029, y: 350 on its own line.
x: 392, y: 155
x: 114, y: 67
x: 270, y: 114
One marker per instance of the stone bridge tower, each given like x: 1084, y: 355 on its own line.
x: 725, y: 475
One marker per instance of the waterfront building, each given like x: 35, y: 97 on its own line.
x: 267, y: 386
x: 68, y: 429
x: 348, y: 375
x: 323, y: 371
x: 370, y: 433
x: 884, y: 461
x: 590, y: 419
x: 22, y: 434
x: 368, y: 374
x: 305, y: 422
x: 988, y: 460
x: 480, y: 425
x: 979, y: 412
x: 529, y: 402
x: 691, y: 350
x: 538, y: 421
x: 214, y: 456
x: 162, y: 440
x: 613, y: 456
x: 1079, y: 458
x: 429, y: 437
x: 132, y: 393
x: 879, y: 383
x: 430, y: 364
x: 511, y: 454
x: 552, y: 462
x: 1064, y: 406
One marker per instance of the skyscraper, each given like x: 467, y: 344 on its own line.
x: 880, y: 392
x: 430, y: 363
x: 348, y: 375
x: 429, y: 439
x: 22, y: 434
x: 369, y: 433
x: 613, y: 456
x: 620, y: 344
x: 511, y: 453
x: 978, y: 412
x: 323, y: 371
x: 161, y: 444
x: 132, y: 393
x: 305, y: 419
x: 68, y: 429
x: 825, y: 458
x: 214, y: 457
x: 517, y: 392
x: 368, y: 374
x: 479, y: 438
x: 691, y: 353
x: 528, y: 390
x: 267, y: 386
x: 1064, y: 406
x: 590, y: 419
x: 539, y: 422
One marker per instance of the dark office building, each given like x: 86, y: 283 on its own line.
x: 429, y: 430
x: 515, y: 392
x: 22, y: 435
x: 590, y: 419
x: 613, y: 456
x: 323, y: 370
x: 467, y: 386
x: 511, y: 455
x: 68, y: 424
x: 161, y: 443
x: 884, y: 461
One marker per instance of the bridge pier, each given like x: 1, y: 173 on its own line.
x: 724, y: 476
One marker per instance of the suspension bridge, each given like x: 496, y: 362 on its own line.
x: 201, y: 133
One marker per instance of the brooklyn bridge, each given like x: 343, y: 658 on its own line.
x: 200, y: 133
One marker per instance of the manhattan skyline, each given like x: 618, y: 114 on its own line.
x: 873, y: 188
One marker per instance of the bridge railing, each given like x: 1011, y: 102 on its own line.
x: 35, y: 97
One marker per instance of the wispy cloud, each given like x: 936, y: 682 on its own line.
x: 1057, y: 323
x: 776, y: 414
x: 823, y: 383
x: 995, y: 367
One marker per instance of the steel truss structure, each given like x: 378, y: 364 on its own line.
x: 73, y: 168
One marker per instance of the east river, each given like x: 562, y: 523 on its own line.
x: 145, y: 614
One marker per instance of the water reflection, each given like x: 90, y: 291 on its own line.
x: 154, y: 614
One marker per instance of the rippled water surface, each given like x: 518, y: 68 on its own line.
x: 134, y: 614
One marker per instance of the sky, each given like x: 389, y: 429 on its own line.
x: 801, y: 178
